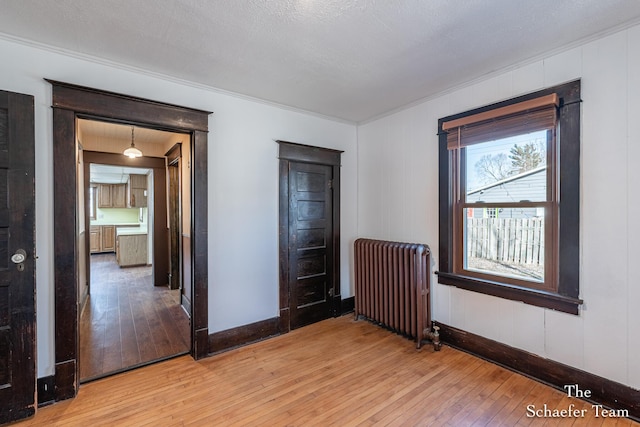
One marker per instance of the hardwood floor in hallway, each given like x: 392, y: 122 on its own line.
x: 127, y: 321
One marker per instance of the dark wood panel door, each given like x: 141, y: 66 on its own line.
x: 175, y: 222
x: 17, y: 269
x: 310, y: 242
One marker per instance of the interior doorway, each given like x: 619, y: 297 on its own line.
x: 69, y: 103
x: 129, y: 316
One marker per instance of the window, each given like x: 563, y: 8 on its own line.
x: 489, y: 212
x: 504, y: 171
x: 92, y: 202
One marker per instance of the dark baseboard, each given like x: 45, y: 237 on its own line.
x: 603, y: 391
x: 247, y: 334
x: 243, y: 335
x: 348, y: 305
x: 46, y: 391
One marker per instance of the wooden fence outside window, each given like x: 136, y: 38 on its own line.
x: 509, y: 240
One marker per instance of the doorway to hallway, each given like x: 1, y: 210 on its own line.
x: 128, y: 315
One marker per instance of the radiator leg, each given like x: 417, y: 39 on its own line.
x: 435, y: 338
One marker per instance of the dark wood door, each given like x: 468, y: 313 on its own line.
x: 310, y: 242
x: 17, y: 274
x: 175, y: 276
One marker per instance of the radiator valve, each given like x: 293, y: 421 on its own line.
x: 435, y: 338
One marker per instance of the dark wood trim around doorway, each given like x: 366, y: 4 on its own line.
x: 160, y: 232
x: 293, y: 152
x: 70, y: 102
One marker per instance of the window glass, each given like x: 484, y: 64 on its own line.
x: 509, y: 244
x: 92, y: 202
x: 506, y: 238
x: 507, y: 170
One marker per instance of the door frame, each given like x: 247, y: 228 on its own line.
x: 299, y: 153
x: 160, y: 245
x: 69, y: 102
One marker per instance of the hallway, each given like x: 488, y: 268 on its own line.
x: 127, y: 321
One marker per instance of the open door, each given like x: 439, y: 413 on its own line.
x: 174, y: 171
x: 17, y: 265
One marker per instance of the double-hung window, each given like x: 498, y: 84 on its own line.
x: 509, y: 198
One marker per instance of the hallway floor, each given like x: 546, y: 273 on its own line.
x: 127, y: 321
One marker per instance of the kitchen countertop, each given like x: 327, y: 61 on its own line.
x: 130, y: 231
x: 117, y: 224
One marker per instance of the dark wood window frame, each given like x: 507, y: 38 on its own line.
x: 70, y: 102
x: 566, y: 298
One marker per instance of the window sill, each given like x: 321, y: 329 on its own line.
x: 535, y: 297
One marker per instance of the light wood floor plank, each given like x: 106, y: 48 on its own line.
x: 338, y: 372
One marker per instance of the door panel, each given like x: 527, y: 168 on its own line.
x: 311, y: 238
x: 17, y: 281
x: 310, y: 242
x: 175, y: 278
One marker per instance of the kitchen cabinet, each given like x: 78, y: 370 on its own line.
x: 108, y: 238
x: 102, y: 238
x: 104, y: 195
x: 119, y: 195
x: 95, y: 237
x: 112, y: 195
x: 131, y: 249
x: 137, y: 190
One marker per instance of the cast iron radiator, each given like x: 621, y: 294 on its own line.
x: 392, y: 287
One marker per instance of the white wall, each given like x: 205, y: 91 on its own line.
x: 397, y: 199
x: 243, y: 249
x: 243, y: 180
x: 389, y: 190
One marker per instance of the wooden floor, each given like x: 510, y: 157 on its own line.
x: 127, y: 321
x: 337, y: 372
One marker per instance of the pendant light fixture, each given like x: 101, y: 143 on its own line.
x: 132, y: 151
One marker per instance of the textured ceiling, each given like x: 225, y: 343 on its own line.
x: 350, y: 59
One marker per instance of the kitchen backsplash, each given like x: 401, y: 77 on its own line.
x: 116, y: 216
x: 143, y: 216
